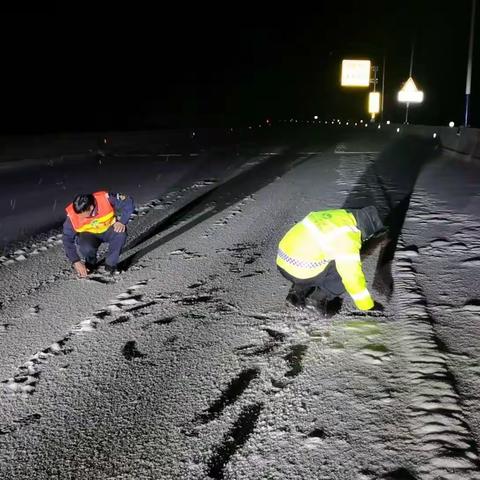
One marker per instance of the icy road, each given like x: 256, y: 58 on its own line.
x: 189, y: 365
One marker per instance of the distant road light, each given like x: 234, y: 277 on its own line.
x: 315, y: 117
x: 379, y: 127
x: 398, y: 129
x: 434, y: 135
x: 388, y: 122
x: 356, y: 124
x: 346, y: 123
x: 451, y: 124
x: 361, y: 121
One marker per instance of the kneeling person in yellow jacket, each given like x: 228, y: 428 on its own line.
x: 321, y: 257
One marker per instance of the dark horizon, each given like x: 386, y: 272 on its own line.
x: 204, y: 66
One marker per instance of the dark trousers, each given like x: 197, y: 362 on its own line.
x: 327, y: 285
x: 88, y: 244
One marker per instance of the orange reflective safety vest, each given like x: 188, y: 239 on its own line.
x: 103, y: 219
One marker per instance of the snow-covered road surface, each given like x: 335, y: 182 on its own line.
x: 190, y: 365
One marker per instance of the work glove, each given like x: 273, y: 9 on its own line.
x: 376, y: 311
x: 377, y: 308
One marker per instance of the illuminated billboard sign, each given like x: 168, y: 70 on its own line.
x: 356, y: 73
x: 374, y: 102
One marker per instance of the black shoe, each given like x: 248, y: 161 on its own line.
x: 326, y: 308
x: 316, y: 305
x: 332, y: 307
x: 297, y: 301
x: 91, y: 267
x: 111, y: 270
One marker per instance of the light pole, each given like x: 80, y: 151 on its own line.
x: 410, y: 76
x: 383, y: 87
x: 469, y: 67
x: 374, y: 82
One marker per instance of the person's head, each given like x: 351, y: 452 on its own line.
x: 84, y: 204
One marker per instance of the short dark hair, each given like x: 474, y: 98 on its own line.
x: 83, y: 202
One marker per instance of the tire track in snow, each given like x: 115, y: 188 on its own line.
x: 25, y: 379
x: 218, y: 198
x: 21, y: 422
x: 229, y: 396
x: 233, y: 440
x: 436, y: 417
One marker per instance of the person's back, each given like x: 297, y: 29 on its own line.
x: 319, y: 238
x: 323, y: 251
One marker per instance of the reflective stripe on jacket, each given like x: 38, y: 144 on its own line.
x: 103, y: 219
x: 308, y: 247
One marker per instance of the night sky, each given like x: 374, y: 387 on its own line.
x: 135, y: 68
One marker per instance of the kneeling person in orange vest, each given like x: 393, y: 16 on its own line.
x: 91, y: 220
x: 321, y: 257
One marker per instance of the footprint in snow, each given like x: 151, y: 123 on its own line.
x: 129, y: 351
x: 34, y: 310
x: 440, y: 243
x: 472, y: 305
x: 472, y: 262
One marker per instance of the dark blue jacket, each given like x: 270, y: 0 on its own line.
x: 123, y: 206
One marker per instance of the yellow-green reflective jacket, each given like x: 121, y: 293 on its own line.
x: 308, y: 247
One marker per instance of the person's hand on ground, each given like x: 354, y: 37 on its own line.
x: 118, y: 227
x: 81, y: 269
x: 377, y: 310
